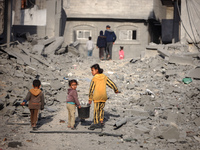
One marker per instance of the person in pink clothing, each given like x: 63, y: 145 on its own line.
x: 121, y: 52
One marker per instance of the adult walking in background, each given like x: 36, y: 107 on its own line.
x: 101, y: 44
x: 110, y: 38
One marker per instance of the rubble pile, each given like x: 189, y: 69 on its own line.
x: 156, y: 108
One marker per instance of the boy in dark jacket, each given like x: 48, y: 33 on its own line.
x: 101, y: 44
x: 110, y: 38
x: 72, y: 102
x: 36, y: 101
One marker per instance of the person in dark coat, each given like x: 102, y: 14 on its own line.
x: 101, y: 44
x: 110, y: 38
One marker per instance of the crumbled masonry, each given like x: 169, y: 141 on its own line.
x: 155, y: 108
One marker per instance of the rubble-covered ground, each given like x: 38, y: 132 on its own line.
x: 155, y: 110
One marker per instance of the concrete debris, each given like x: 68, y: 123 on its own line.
x: 121, y: 122
x: 163, y: 52
x: 194, y: 73
x: 197, y: 121
x: 48, y: 41
x: 170, y: 132
x: 54, y: 46
x: 38, y: 49
x: 154, y: 109
x: 181, y: 60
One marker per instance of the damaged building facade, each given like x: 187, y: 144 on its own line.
x: 136, y: 24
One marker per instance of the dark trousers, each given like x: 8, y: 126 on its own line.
x: 101, y: 52
x: 34, y: 116
x: 109, y: 50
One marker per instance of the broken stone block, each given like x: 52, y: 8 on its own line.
x: 181, y: 60
x: 19, y: 74
x: 163, y: 52
x: 120, y: 122
x: 194, y: 73
x: 130, y: 86
x: 172, y: 117
x: 140, y: 129
x: 54, y: 46
x: 37, y: 49
x: 170, y: 132
x: 197, y: 121
x: 171, y: 72
x: 30, y: 70
x: 56, y: 85
x: 48, y: 41
x: 61, y: 96
x: 132, y: 112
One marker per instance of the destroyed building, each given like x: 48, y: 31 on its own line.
x: 158, y: 107
x: 136, y: 24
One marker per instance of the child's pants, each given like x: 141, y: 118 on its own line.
x: 34, y: 116
x: 71, y: 114
x: 98, y: 112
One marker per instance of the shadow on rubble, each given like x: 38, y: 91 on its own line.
x: 85, y: 122
x: 107, y: 116
x: 82, y: 122
x: 44, y: 120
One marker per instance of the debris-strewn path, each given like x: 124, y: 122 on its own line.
x: 155, y: 109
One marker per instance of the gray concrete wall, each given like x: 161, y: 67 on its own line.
x: 129, y: 9
x: 190, y: 24
x: 132, y: 48
x: 159, y: 10
x: 45, y: 14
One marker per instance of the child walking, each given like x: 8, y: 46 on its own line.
x: 90, y: 46
x: 72, y: 102
x: 97, y: 93
x: 121, y: 52
x: 36, y: 101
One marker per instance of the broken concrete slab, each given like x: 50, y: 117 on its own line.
x: 163, y: 52
x: 121, y: 122
x: 194, y: 73
x: 54, y: 46
x: 181, y: 60
x: 154, y: 46
x: 197, y: 121
x: 30, y: 70
x: 48, y: 41
x: 132, y: 112
x: 22, y: 57
x: 38, y: 49
x: 170, y: 132
x: 140, y: 129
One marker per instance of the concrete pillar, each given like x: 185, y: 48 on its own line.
x: 58, y: 14
x: 17, y: 13
x: 54, y: 12
x: 50, y: 26
x: 176, y: 23
x: 8, y: 21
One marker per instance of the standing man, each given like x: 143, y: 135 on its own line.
x: 110, y: 38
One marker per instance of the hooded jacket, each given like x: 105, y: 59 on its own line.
x: 110, y: 35
x: 35, y: 98
x: 101, y: 40
x: 97, y: 91
x: 73, y: 96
